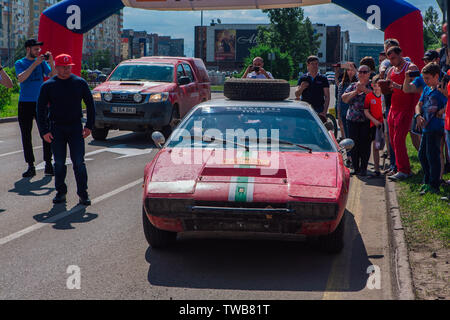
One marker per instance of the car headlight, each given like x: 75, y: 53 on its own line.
x: 97, y: 96
x: 108, y: 97
x: 137, y: 97
x: 159, y: 97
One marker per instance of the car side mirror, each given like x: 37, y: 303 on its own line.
x: 184, y: 80
x: 158, y: 139
x: 102, y: 78
x: 346, y: 144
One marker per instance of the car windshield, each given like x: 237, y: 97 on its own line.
x: 231, y: 127
x: 143, y: 72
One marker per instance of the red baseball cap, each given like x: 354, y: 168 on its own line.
x: 64, y: 60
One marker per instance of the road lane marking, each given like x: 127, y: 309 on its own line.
x: 62, y: 215
x: 14, y: 152
x: 339, y: 277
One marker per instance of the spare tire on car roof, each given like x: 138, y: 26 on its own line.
x: 257, y: 89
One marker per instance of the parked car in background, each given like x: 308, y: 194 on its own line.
x: 150, y: 93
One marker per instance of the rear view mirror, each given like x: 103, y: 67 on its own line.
x: 158, y: 139
x: 347, y: 144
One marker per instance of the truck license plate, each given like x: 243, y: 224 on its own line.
x: 123, y: 110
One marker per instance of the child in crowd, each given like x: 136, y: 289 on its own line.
x: 429, y: 112
x: 373, y: 109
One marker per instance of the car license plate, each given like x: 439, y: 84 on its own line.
x: 123, y: 110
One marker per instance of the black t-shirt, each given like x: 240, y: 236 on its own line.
x: 314, y: 94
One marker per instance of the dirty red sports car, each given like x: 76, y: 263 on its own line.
x: 248, y: 166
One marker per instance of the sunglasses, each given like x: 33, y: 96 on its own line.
x: 363, y: 71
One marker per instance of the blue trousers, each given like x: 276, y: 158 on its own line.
x: 430, y: 158
x: 69, y: 135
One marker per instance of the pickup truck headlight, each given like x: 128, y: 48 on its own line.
x: 159, y: 97
x: 97, y: 96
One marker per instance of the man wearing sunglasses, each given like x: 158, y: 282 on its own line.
x: 401, y: 112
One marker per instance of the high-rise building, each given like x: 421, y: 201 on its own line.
x: 136, y: 44
x: 14, y: 17
x: 105, y: 36
x: 36, y: 7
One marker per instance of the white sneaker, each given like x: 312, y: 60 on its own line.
x: 399, y: 176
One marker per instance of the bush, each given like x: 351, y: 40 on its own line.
x: 281, y: 68
x: 5, y: 97
x: 12, y: 74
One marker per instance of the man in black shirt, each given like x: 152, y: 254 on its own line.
x: 59, y: 114
x: 314, y: 88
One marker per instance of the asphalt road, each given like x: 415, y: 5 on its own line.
x: 40, y: 243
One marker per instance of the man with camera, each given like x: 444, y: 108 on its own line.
x: 30, y: 72
x: 256, y: 70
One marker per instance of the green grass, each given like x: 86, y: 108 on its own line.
x: 11, y: 110
x: 217, y: 88
x: 426, y: 218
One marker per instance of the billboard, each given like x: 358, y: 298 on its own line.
x: 245, y: 39
x: 225, y: 45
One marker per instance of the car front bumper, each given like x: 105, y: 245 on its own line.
x: 148, y: 116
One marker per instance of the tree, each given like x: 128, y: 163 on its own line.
x: 291, y: 32
x: 432, y: 29
x: 99, y: 59
x: 281, y: 68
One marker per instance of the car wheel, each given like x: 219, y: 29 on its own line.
x: 100, y: 133
x: 257, y: 89
x: 334, y: 242
x: 157, y: 238
x: 167, y: 130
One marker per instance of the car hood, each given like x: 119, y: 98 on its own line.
x: 172, y: 172
x: 135, y: 86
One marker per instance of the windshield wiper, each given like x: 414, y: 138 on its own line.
x: 270, y: 140
x: 212, y: 139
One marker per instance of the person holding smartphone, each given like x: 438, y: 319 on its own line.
x: 30, y: 72
x: 256, y: 70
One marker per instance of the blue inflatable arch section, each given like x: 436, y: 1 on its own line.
x: 63, y: 24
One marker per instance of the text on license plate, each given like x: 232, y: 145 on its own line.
x: 123, y: 110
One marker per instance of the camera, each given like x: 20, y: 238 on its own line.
x: 46, y: 56
x: 414, y: 74
x: 256, y: 69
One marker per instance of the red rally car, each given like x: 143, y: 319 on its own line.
x: 248, y: 166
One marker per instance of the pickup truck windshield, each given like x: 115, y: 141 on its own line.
x: 143, y: 72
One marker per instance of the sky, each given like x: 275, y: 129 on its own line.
x: 181, y: 24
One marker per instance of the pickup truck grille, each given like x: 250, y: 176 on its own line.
x: 123, y: 98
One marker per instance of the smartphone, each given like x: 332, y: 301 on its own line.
x: 414, y: 74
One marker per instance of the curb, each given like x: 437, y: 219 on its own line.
x: 402, y: 278
x: 9, y: 119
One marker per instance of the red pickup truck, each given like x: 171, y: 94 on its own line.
x: 149, y: 94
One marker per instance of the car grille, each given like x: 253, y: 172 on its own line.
x: 137, y: 115
x: 124, y: 98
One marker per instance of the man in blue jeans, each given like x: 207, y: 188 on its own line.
x: 59, y: 119
x: 429, y: 113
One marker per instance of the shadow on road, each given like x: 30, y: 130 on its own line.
x: 62, y: 219
x: 260, y: 264
x: 134, y: 138
x: 26, y: 187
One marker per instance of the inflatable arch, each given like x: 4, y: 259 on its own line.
x: 63, y: 24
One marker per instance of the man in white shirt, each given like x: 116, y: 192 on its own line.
x: 256, y: 70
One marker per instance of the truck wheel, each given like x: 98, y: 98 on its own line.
x: 100, y: 133
x: 334, y: 242
x: 167, y: 130
x: 256, y: 89
x: 157, y: 238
